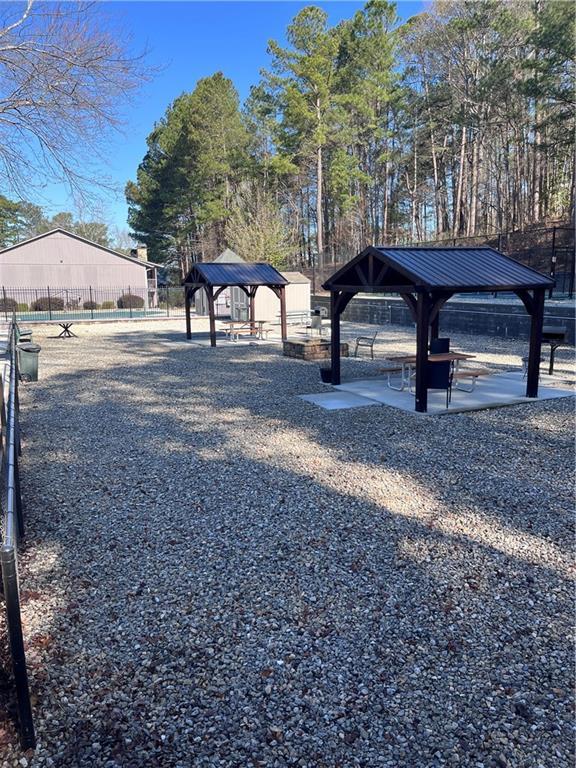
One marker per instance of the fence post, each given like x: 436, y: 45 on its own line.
x: 5, y: 304
x: 313, y: 275
x: 12, y: 605
x: 167, y: 301
x: 130, y: 300
x: 49, y: 304
x: 553, y: 262
x: 91, y: 304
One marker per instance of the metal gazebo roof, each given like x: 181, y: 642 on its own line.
x: 248, y: 274
x: 380, y: 268
x: 213, y: 278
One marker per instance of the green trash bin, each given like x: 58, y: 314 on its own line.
x: 28, y: 354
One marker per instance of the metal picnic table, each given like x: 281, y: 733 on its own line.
x: 255, y: 327
x: 407, y: 362
x: 66, y: 333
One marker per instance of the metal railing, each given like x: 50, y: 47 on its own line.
x: 48, y: 303
x: 12, y: 533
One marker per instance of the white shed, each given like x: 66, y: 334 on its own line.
x: 222, y: 303
x: 267, y: 305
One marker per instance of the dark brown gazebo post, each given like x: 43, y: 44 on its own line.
x: 335, y: 337
x: 339, y: 300
x: 251, y: 303
x: 422, y: 326
x: 535, y: 350
x: 188, y: 318
x: 283, y: 324
x: 211, y: 314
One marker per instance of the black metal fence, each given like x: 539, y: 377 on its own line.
x: 12, y: 533
x: 89, y: 303
x: 550, y: 250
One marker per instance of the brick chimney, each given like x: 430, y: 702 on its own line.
x: 142, y: 252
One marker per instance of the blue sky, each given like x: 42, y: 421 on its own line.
x: 188, y: 41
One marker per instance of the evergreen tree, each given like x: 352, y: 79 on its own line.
x: 458, y: 123
x: 302, y: 80
x: 196, y: 157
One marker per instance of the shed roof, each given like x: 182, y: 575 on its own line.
x: 228, y: 256
x: 296, y: 277
x: 234, y: 274
x: 454, y: 269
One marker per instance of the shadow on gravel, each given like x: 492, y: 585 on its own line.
x: 245, y: 580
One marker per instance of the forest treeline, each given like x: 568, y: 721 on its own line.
x: 458, y: 122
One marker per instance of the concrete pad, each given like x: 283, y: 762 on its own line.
x: 335, y: 401
x: 490, y: 392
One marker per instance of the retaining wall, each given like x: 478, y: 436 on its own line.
x: 488, y: 318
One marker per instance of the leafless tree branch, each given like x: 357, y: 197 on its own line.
x: 65, y: 82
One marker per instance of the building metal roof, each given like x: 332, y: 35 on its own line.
x: 453, y: 269
x: 234, y: 274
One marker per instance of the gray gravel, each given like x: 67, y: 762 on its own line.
x: 220, y: 574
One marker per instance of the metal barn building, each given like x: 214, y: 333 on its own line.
x: 62, y: 262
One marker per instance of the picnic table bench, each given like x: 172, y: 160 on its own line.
x: 469, y: 373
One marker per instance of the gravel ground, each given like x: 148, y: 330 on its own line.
x: 220, y: 574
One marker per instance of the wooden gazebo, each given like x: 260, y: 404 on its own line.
x: 214, y: 277
x: 426, y: 278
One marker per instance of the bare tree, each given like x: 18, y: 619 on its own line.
x: 65, y: 78
x: 256, y: 230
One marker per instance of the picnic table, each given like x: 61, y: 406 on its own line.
x: 233, y: 328
x: 296, y: 317
x: 66, y: 333
x: 405, y: 363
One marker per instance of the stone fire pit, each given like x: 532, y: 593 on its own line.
x: 311, y: 349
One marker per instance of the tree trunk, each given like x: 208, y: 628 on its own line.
x: 471, y: 229
x: 415, y: 188
x: 460, y: 186
x: 319, y: 223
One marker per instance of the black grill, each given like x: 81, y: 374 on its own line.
x: 554, y: 335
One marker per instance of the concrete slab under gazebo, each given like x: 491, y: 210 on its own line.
x: 426, y: 278
x: 213, y: 278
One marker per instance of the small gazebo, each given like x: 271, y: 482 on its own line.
x: 426, y: 278
x: 213, y: 278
